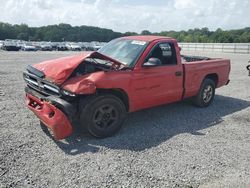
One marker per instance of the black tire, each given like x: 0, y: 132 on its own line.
x: 206, y: 94
x: 248, y: 67
x: 102, y: 115
x: 44, y: 128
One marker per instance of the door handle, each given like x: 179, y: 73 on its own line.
x: 178, y: 73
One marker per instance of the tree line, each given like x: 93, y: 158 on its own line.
x: 66, y: 32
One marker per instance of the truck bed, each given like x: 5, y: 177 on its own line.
x: 199, y: 68
x: 186, y: 58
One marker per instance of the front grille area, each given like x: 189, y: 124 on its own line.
x: 41, y: 85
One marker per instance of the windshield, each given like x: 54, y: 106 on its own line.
x: 124, y: 50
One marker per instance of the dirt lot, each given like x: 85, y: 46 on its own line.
x: 177, y: 145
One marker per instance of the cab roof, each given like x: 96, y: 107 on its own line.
x: 147, y: 38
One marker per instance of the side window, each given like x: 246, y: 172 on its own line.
x: 165, y: 52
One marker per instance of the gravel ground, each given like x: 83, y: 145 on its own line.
x: 177, y: 145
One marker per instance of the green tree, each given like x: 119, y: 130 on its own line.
x: 66, y: 32
x: 146, y: 32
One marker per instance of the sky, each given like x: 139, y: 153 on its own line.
x: 130, y: 15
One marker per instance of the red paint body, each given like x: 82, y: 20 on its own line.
x: 51, y: 116
x: 145, y: 87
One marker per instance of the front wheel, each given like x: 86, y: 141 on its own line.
x: 103, y: 115
x: 206, y: 94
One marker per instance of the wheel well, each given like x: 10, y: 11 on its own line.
x: 213, y: 77
x: 121, y: 94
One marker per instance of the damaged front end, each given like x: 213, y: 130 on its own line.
x: 53, y: 88
x: 52, y: 108
x: 60, y: 70
x: 52, y: 116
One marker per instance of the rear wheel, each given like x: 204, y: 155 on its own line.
x: 206, y: 94
x: 103, y: 115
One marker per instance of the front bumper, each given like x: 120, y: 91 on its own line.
x: 52, y: 113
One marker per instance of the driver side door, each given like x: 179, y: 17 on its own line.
x: 156, y: 85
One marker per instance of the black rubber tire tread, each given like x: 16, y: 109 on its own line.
x: 89, y: 105
x: 248, y: 67
x: 198, y: 99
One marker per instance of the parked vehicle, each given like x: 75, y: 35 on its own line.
x: 96, y: 45
x: 46, y: 46
x: 95, y: 90
x: 62, y: 47
x: 76, y: 47
x: 90, y: 48
x: 54, y: 45
x: 83, y: 47
x: 1, y: 44
x: 28, y: 47
x: 11, y: 46
x: 73, y: 47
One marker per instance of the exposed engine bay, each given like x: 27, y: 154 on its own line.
x: 91, y: 65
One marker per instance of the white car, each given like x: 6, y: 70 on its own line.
x: 46, y: 46
x: 1, y: 44
x: 74, y: 47
x: 28, y: 47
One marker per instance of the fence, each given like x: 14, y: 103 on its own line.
x: 242, y: 48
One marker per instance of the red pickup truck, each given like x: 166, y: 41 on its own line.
x: 95, y: 90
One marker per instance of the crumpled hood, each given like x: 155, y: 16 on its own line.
x: 59, y: 70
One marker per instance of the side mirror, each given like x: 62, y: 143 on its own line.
x: 152, y: 62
